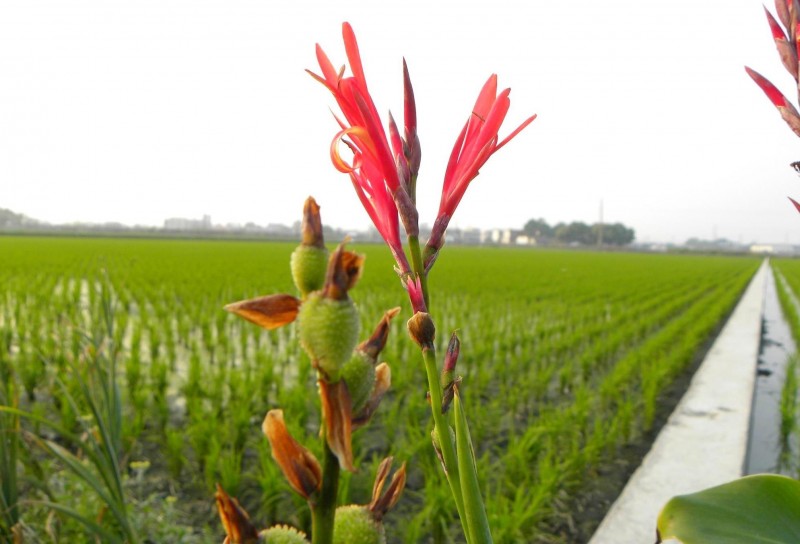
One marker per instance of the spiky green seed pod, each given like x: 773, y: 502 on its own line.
x: 359, y: 375
x: 328, y: 332
x: 308, y: 268
x: 282, y: 534
x: 355, y: 525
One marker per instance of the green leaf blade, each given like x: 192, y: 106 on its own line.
x: 473, y: 502
x: 760, y: 509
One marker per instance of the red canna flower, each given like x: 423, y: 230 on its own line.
x: 788, y: 45
x: 786, y: 108
x: 374, y: 168
x: 477, y: 142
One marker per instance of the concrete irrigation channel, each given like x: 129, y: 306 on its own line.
x: 705, y: 441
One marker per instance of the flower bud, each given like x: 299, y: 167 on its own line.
x: 360, y: 371
x: 373, y: 346
x: 383, y: 380
x: 359, y: 374
x: 413, y: 284
x: 450, y: 359
x: 308, y: 268
x: 328, y: 332
x: 414, y: 149
x: 344, y: 271
x: 309, y: 261
x: 448, y: 394
x: 328, y: 319
x: 382, y: 502
x: 337, y: 421
x: 298, y: 465
x: 435, y: 241
x: 238, y: 528
x: 282, y: 534
x: 422, y: 330
x: 354, y: 524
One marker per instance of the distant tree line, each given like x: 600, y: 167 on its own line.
x: 10, y: 220
x: 610, y: 234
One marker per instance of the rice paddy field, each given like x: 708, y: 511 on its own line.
x: 129, y: 371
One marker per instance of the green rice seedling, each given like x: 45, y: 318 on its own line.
x: 221, y: 328
x: 193, y: 388
x: 135, y: 423
x: 200, y: 430
x: 272, y: 487
x: 207, y: 335
x: 216, y: 389
x: 789, y: 401
x: 159, y: 376
x: 9, y: 447
x: 229, y: 469
x: 244, y: 342
x: 174, y: 452
x: 31, y: 370
x: 184, y: 330
x: 170, y: 343
x: 100, y: 444
x: 154, y: 342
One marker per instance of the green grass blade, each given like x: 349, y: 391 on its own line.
x: 104, y: 535
x: 80, y: 470
x: 107, y: 465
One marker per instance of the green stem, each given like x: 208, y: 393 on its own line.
x: 323, y: 510
x: 442, y: 429
x: 440, y: 424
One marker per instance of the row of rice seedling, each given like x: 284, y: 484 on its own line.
x: 565, y: 355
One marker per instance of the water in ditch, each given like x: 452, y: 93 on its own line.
x: 768, y: 451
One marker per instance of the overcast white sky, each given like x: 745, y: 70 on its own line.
x: 139, y: 111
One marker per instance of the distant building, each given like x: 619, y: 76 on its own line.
x: 774, y: 249
x: 525, y: 240
x: 180, y: 223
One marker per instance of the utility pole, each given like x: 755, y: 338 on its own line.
x: 600, y: 226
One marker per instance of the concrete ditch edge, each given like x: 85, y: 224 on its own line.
x: 704, y: 442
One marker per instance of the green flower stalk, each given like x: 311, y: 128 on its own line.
x: 351, y: 385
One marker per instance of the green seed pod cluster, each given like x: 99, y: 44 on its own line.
x: 355, y: 525
x: 282, y: 534
x: 329, y: 331
x: 359, y: 375
x: 308, y: 265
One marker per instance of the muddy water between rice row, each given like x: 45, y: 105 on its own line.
x: 767, y: 450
